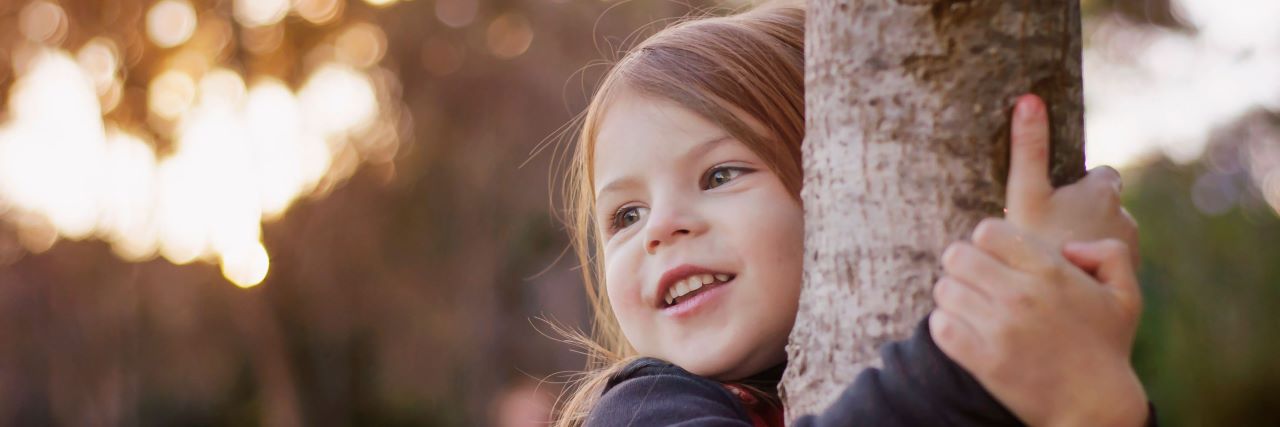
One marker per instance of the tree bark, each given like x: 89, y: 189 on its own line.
x: 908, y: 107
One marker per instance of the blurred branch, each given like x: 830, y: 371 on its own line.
x: 1159, y: 13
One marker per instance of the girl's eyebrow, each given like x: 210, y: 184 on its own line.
x: 617, y: 184
x: 697, y: 151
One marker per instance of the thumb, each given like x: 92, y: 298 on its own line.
x: 1109, y: 262
x: 1029, y: 186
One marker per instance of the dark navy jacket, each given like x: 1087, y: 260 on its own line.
x: 918, y: 386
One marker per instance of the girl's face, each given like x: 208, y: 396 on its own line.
x: 680, y: 203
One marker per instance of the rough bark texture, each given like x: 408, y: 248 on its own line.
x: 908, y: 105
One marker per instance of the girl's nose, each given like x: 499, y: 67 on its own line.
x: 652, y: 247
x: 668, y: 226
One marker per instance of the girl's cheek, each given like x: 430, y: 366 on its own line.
x: 623, y: 287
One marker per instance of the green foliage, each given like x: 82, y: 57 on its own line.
x: 1206, y: 347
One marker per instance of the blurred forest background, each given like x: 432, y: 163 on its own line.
x: 330, y: 212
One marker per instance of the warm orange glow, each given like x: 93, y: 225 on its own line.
x: 380, y: 3
x: 240, y: 155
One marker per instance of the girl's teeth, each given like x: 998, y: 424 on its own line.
x: 693, y: 283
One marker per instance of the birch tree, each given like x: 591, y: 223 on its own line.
x: 908, y: 105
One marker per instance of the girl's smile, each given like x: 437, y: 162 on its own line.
x: 682, y: 288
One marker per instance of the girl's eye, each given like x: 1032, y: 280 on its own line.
x: 624, y: 217
x: 721, y: 175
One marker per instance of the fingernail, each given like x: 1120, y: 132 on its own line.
x: 1028, y: 107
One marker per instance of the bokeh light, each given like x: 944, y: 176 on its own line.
x: 171, y: 93
x: 240, y: 155
x: 338, y: 99
x: 100, y: 59
x: 257, y: 13
x: 171, y: 23
x: 457, y: 13
x: 128, y: 196
x: 246, y: 266
x: 262, y: 40
x: 319, y: 12
x: 50, y: 150
x: 361, y: 45
x: 509, y: 35
x: 43, y: 22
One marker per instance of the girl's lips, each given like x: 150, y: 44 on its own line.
x: 708, y: 295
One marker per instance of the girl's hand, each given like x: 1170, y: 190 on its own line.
x: 1087, y: 210
x: 1043, y: 336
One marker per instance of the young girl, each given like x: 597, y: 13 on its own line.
x: 688, y: 222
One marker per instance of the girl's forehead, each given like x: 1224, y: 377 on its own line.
x: 637, y: 127
x: 632, y: 116
x: 644, y: 135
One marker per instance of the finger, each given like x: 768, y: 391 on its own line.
x: 955, y: 295
x: 1107, y: 175
x: 957, y: 338
x: 979, y: 269
x: 1007, y: 243
x: 1029, y: 186
x: 1104, y: 185
x: 1109, y: 262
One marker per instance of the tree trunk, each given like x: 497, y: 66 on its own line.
x: 908, y: 105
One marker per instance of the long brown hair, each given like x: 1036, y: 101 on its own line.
x: 724, y: 68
